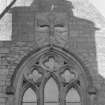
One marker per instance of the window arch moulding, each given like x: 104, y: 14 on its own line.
x: 60, y: 61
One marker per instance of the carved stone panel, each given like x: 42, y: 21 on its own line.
x: 51, y: 29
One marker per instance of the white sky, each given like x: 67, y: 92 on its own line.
x: 100, y: 5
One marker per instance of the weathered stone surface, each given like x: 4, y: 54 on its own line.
x: 27, y: 37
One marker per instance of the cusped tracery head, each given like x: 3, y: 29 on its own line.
x: 51, y: 63
x: 68, y: 75
x: 33, y: 75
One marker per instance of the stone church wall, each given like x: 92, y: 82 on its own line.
x: 81, y: 43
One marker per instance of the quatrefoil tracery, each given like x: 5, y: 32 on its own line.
x: 35, y: 75
x: 51, y: 63
x: 68, y: 76
x: 52, y: 66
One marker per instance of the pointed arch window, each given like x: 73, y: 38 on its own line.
x: 51, y: 80
x: 29, y: 97
x: 73, y: 97
x: 51, y: 77
x: 51, y: 93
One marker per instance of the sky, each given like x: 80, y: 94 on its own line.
x: 100, y: 5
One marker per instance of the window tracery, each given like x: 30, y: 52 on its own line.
x: 53, y: 68
x: 68, y: 76
x: 35, y: 75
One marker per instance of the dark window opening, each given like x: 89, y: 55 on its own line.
x: 59, y: 25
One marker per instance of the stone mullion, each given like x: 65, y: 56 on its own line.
x: 41, y: 89
x: 62, y: 96
x: 41, y: 95
x: 61, y: 90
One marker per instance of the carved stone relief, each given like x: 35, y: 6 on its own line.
x: 52, y: 28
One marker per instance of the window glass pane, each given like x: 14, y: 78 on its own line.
x: 51, y: 93
x: 29, y: 98
x: 73, y: 97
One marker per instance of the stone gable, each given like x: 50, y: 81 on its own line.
x: 50, y: 27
